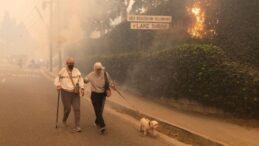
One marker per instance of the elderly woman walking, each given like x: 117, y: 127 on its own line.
x: 71, y: 84
x: 100, y: 82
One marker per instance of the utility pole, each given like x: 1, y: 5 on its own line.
x: 58, y: 35
x: 50, y: 36
x: 156, y: 3
x: 44, y: 4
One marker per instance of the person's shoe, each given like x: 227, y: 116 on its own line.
x: 103, y: 131
x: 77, y: 129
x: 96, y: 125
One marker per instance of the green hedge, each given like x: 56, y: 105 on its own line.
x: 199, y: 72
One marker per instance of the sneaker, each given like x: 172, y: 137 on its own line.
x: 96, y: 125
x: 103, y: 131
x: 77, y: 129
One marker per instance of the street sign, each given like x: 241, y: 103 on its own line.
x: 149, y: 26
x: 149, y: 18
x: 149, y: 22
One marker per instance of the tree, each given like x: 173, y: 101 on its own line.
x: 237, y: 29
x: 15, y: 36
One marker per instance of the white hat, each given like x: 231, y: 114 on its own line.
x: 70, y: 59
x: 98, y: 65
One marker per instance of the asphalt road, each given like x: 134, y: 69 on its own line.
x: 28, y: 110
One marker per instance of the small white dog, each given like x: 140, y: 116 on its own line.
x: 148, y: 127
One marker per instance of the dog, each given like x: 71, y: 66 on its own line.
x: 148, y: 126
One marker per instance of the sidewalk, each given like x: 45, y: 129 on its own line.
x: 212, y: 128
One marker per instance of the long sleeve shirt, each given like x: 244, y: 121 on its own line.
x: 97, y: 81
x: 65, y: 82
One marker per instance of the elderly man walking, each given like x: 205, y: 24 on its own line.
x: 70, y: 83
x: 100, y: 82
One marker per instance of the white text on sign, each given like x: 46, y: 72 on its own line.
x: 147, y: 26
x: 148, y: 18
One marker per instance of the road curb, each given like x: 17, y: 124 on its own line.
x: 168, y: 128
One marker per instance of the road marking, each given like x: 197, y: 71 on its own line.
x: 14, y: 75
x: 3, y: 80
x: 26, y: 75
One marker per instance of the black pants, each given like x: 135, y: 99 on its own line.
x: 98, y: 101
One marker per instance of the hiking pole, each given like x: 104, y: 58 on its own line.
x: 123, y: 97
x: 120, y: 93
x: 57, y: 110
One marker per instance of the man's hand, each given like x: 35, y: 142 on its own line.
x: 113, y: 85
x: 86, y: 81
x: 58, y: 88
x: 82, y: 91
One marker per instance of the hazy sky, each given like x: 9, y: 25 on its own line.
x: 72, y: 13
x: 17, y: 8
x: 24, y: 11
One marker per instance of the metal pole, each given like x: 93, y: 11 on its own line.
x: 57, y: 109
x: 50, y: 35
x: 139, y: 40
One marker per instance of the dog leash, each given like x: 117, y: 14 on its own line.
x: 125, y: 99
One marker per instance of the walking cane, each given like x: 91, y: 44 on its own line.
x: 57, y: 110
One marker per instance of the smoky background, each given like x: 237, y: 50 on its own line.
x: 210, y: 46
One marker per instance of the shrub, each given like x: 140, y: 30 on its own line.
x: 199, y: 72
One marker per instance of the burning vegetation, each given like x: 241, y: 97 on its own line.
x: 197, y: 28
x: 198, y: 11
